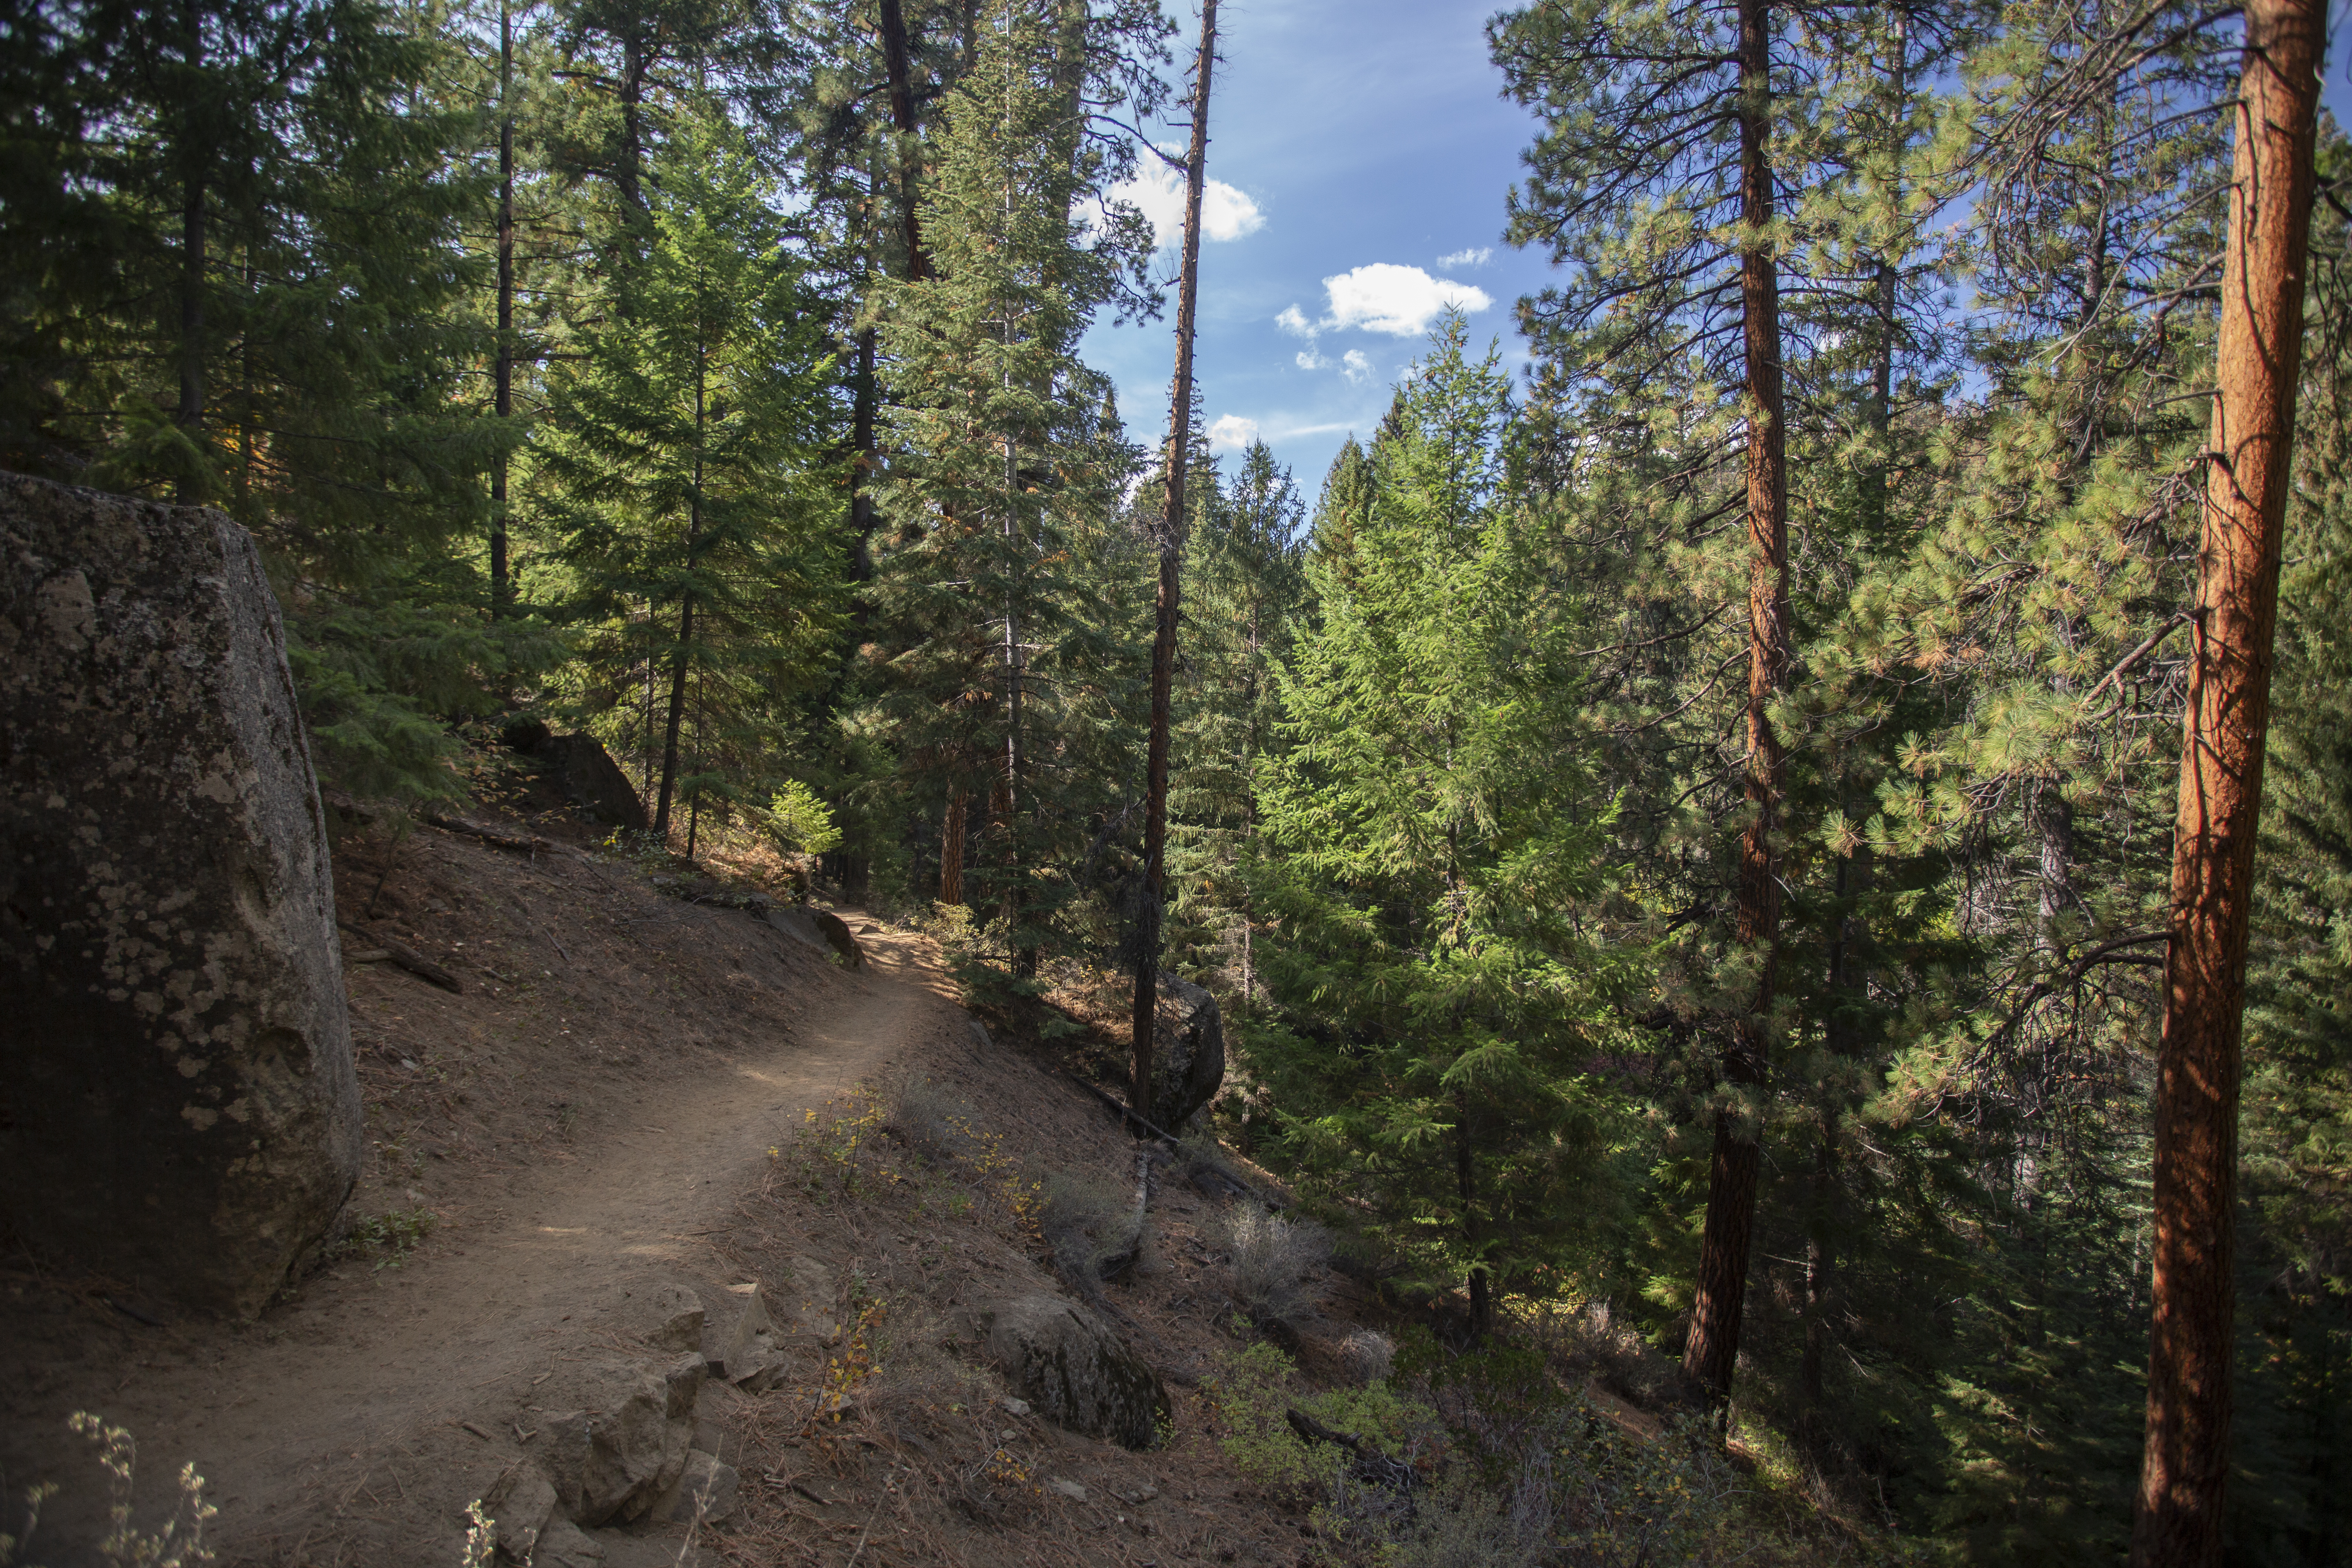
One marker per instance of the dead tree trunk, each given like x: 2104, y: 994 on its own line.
x: 1712, y: 1349
x: 1171, y: 544
x: 2177, y: 1522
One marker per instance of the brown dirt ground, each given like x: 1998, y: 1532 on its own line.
x: 592, y: 1118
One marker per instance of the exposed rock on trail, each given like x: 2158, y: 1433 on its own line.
x: 1075, y: 1368
x: 177, y: 1101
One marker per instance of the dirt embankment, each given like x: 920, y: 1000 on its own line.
x: 631, y: 1089
x: 543, y: 1149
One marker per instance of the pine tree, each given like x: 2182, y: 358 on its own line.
x: 242, y: 279
x: 1004, y: 459
x: 683, y: 470
x: 1657, y: 183
x: 1245, y: 589
x: 1436, y: 843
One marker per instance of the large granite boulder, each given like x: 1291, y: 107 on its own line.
x: 1068, y: 1362
x: 1188, y: 1053
x: 582, y: 770
x: 177, y: 1103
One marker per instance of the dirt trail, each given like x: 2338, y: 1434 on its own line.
x: 338, y: 1418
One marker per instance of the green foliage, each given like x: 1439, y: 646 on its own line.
x: 800, y: 823
x: 1256, y: 1385
x: 391, y: 1236
x: 1433, y: 835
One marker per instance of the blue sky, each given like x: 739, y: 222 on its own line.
x: 1366, y: 134
x: 1361, y: 138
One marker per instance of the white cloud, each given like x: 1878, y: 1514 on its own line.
x: 1469, y: 257
x: 1231, y: 432
x: 1378, y: 298
x: 1358, y: 369
x: 1399, y: 301
x: 1227, y: 211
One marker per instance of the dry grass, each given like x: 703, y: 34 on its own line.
x: 1275, y: 1262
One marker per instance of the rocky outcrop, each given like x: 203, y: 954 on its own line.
x: 818, y: 928
x: 1188, y: 1053
x: 582, y: 770
x: 1070, y: 1364
x: 613, y: 1459
x: 177, y: 1101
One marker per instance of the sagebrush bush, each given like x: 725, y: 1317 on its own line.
x: 1271, y: 1259
x: 931, y: 1118
x: 1086, y: 1219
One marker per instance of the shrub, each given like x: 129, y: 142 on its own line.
x: 1253, y: 1390
x: 931, y: 1118
x: 1271, y: 1257
x: 1086, y: 1219
x: 801, y: 823
x: 179, y: 1543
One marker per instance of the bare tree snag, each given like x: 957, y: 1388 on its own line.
x: 1171, y: 533
x: 1713, y: 1348
x: 2177, y: 1522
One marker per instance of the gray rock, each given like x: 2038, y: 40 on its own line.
x: 585, y: 773
x: 177, y: 1101
x: 610, y: 1460
x: 1067, y: 1362
x: 1188, y: 1053
x: 807, y: 1301
x: 795, y: 922
x: 676, y: 1313
x: 708, y: 1490
x: 1070, y: 1489
x: 978, y: 1033
x: 566, y: 1545
x: 753, y: 1355
x: 519, y: 1505
x: 837, y: 934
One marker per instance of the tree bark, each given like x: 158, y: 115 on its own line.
x: 501, y: 595
x: 190, y: 413
x: 898, y: 66
x: 685, y: 625
x: 1172, y: 546
x: 2178, y: 1520
x: 951, y: 850
x: 1712, y: 1349
x: 1466, y: 1182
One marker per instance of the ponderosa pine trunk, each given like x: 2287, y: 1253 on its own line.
x: 897, y: 66
x: 190, y: 413
x: 2178, y: 1520
x: 951, y: 831
x: 501, y: 594
x: 1171, y: 545
x: 684, y: 619
x: 1712, y: 1349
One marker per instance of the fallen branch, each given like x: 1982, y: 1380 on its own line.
x: 1117, y: 1263
x: 1241, y: 1188
x: 497, y: 837
x: 1372, y: 1466
x: 411, y: 960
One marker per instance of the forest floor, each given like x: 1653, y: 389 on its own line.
x: 643, y: 1087
x: 639, y: 1088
